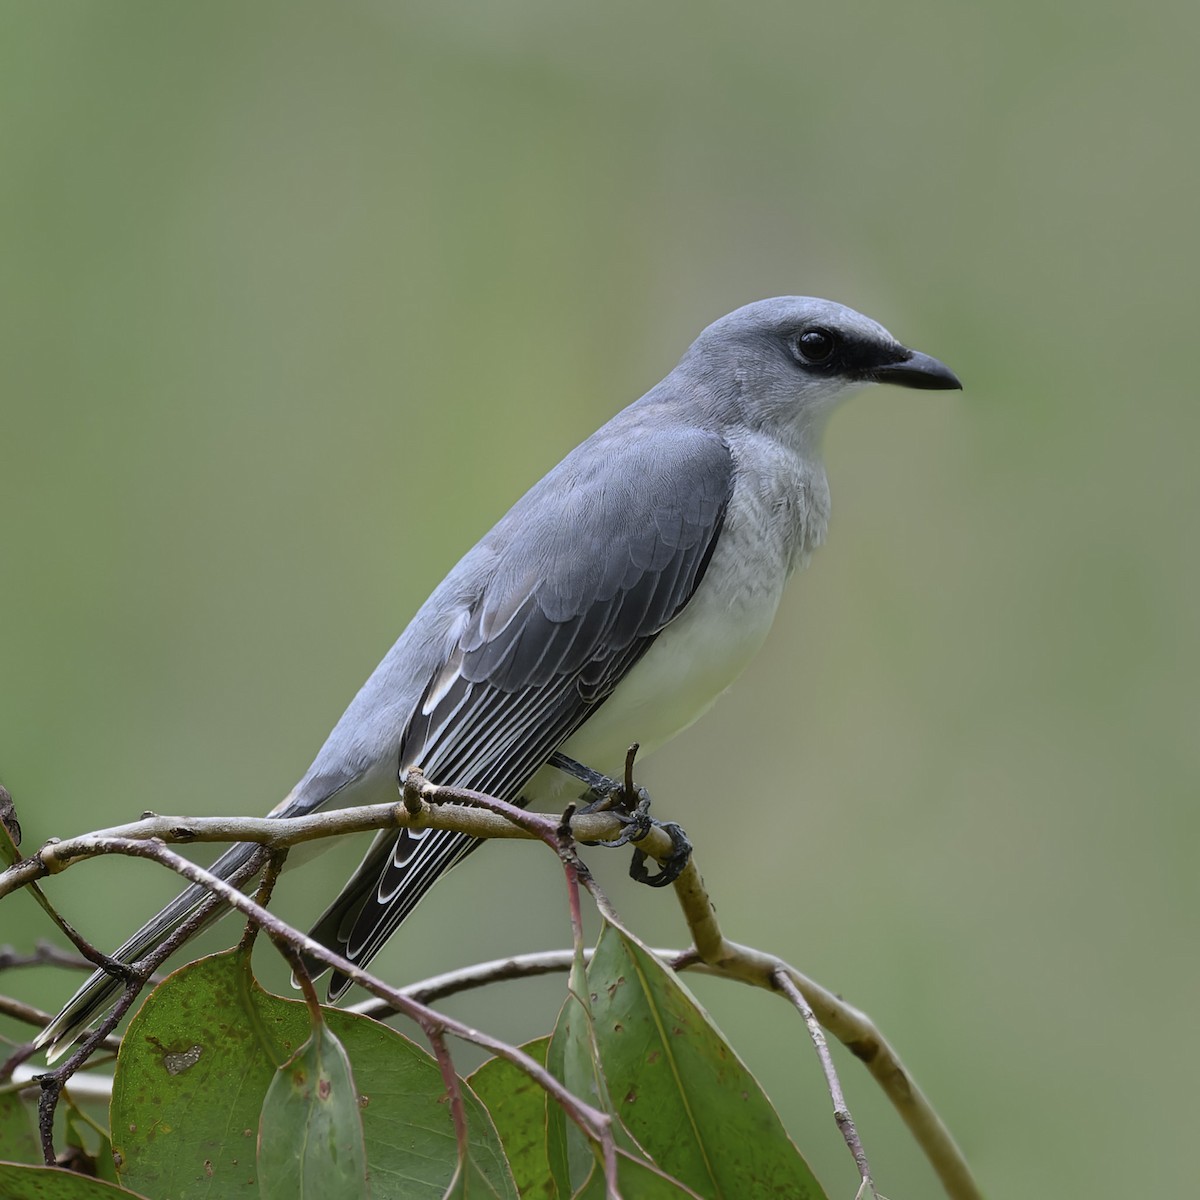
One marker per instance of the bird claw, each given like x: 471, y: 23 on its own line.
x: 607, y: 795
x: 635, y: 826
x: 671, y: 867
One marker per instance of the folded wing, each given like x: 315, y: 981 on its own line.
x: 581, y: 588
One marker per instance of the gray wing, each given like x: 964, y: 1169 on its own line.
x: 590, y: 567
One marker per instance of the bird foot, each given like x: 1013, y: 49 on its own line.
x: 631, y: 806
x: 669, y: 868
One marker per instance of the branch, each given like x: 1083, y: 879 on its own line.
x: 424, y: 805
x: 45, y: 954
x: 595, y: 1125
x: 743, y: 964
x: 841, y: 1113
x: 852, y: 1028
x: 85, y: 1086
x: 465, y: 816
x: 135, y: 976
x: 497, y: 970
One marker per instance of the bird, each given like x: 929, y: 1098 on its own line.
x: 612, y: 604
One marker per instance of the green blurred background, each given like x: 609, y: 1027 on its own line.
x: 297, y: 298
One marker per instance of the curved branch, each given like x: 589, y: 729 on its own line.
x: 595, y: 1124
x: 732, y: 961
x: 852, y: 1028
x: 425, y: 805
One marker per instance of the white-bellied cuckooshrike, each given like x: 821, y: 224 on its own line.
x: 612, y: 604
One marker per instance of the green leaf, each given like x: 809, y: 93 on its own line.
x: 470, y: 1183
x: 518, y: 1107
x: 18, y: 1139
x: 572, y: 1059
x: 194, y: 1070
x: 79, y: 1135
x: 49, y: 1183
x: 678, y: 1086
x: 636, y: 1180
x: 105, y: 1166
x: 310, y: 1135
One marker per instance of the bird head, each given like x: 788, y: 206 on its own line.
x: 786, y: 363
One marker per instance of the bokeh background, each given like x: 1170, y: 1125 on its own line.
x: 297, y: 298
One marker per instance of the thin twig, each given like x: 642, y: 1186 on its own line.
x: 575, y: 872
x: 519, y: 966
x: 533, y: 823
x: 39, y: 1019
x: 139, y: 974
x: 841, y: 1111
x: 595, y: 1124
x: 498, y: 970
x: 571, y: 868
x: 262, y: 895
x: 852, y: 1028
x: 19, y: 1056
x: 20, y: 1011
x: 85, y: 1085
x: 44, y: 954
x: 458, y: 1112
x: 427, y: 806
x: 93, y: 954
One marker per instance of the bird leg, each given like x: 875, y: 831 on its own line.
x: 631, y: 806
x: 603, y: 791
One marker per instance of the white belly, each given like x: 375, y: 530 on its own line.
x: 678, y: 680
x: 695, y: 658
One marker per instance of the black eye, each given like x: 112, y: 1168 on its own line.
x: 815, y: 345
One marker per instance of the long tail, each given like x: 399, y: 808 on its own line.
x: 101, y: 989
x: 388, y: 884
x: 394, y: 876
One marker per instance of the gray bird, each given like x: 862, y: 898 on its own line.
x: 612, y: 604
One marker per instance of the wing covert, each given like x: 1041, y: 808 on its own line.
x: 579, y: 594
x: 589, y: 568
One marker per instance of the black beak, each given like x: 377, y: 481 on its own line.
x: 917, y: 371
